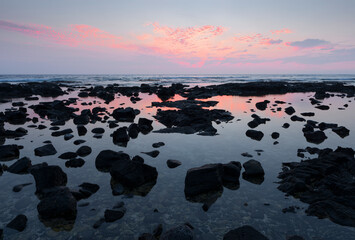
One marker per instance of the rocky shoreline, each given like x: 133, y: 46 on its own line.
x: 325, y: 183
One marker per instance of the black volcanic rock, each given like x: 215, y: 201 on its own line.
x: 254, y: 134
x: 106, y: 158
x: 244, y: 233
x: 290, y: 110
x: 181, y: 232
x: 9, y: 152
x: 120, y: 136
x: 326, y: 183
x: 153, y: 154
x: 322, y: 107
x: 315, y: 137
x: 124, y: 114
x: 48, y: 177
x: 262, y: 105
x: 114, y: 215
x: 19, y: 223
x: 45, y: 150
x: 173, y: 163
x: 275, y: 135
x: 84, y: 151
x: 21, y: 166
x: 341, y: 131
x: 75, y: 163
x: 133, y: 174
x: 296, y: 118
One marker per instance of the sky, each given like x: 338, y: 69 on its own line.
x: 177, y: 37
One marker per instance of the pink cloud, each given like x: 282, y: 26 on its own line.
x: 284, y: 30
x: 310, y: 44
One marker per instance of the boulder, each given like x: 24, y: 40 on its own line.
x: 254, y: 134
x: 48, y: 177
x: 133, y: 174
x: 315, y: 137
x: 9, y: 152
x: 124, y: 114
x: 290, y: 110
x: 106, y: 158
x: 75, y: 163
x: 21, y: 166
x: 84, y: 151
x: 244, y: 233
x: 45, y: 150
x: 19, y: 223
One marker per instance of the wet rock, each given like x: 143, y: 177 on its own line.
x: 81, y: 120
x: 173, y: 163
x: 84, y: 151
x: 62, y: 132
x: 322, y: 107
x: 290, y: 110
x: 325, y: 183
x: 68, y: 136
x: 19, y: 223
x: 211, y: 178
x: 98, y: 223
x: 107, y: 158
x: 124, y: 114
x: 253, y: 168
x: 322, y: 126
x: 15, y: 117
x: 45, y: 150
x: 145, y: 125
x: 262, y: 105
x: 133, y: 130
x: 98, y: 130
x: 57, y: 111
x: 114, y: 215
x: 146, y: 236
x: 191, y: 120
x: 133, y: 174
x: 257, y: 121
x: 138, y: 159
x: 182, y: 232
x: 68, y: 155
x: 153, y: 154
x: 254, y: 134
x: 158, y: 144
x: 9, y: 152
x: 79, y: 141
x: 85, y: 190
x: 184, y: 103
x: 120, y: 136
x: 341, y: 131
x: 296, y: 118
x: 247, y: 155
x: 57, y: 203
x: 316, y: 137
x: 81, y: 130
x: 75, y: 163
x: 112, y: 125
x: 244, y: 233
x: 286, y: 125
x: 48, y: 177
x: 275, y: 135
x: 295, y: 237
x: 19, y: 187
x: 21, y: 166
x: 307, y: 114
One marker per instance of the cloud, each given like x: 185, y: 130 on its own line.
x: 310, y: 43
x: 284, y: 30
x: 270, y: 41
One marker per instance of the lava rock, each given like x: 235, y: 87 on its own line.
x: 98, y: 130
x: 254, y: 134
x: 315, y: 137
x: 68, y: 155
x: 21, y: 166
x: 75, y: 163
x: 84, y: 151
x: 341, y: 131
x: 290, y: 110
x: 124, y: 114
x: 19, y: 223
x: 81, y: 130
x: 322, y: 107
x: 133, y: 174
x: 173, y: 163
x: 19, y: 187
x: 107, y: 158
x: 262, y: 105
x: 9, y: 152
x: 45, y: 150
x: 114, y: 215
x: 296, y: 118
x: 275, y: 135
x: 153, y: 154
x: 158, y: 144
x: 120, y: 135
x: 244, y: 233
x: 182, y: 232
x: 48, y: 177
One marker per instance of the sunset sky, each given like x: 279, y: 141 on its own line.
x: 195, y: 36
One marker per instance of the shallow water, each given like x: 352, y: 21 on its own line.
x: 244, y: 206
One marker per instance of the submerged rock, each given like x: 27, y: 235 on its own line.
x: 244, y: 233
x: 326, y: 183
x: 254, y: 134
x: 114, y: 215
x: 9, y: 152
x: 173, y: 163
x: 107, y: 158
x: 182, y: 232
x: 19, y: 187
x: 45, y: 150
x: 19, y: 223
